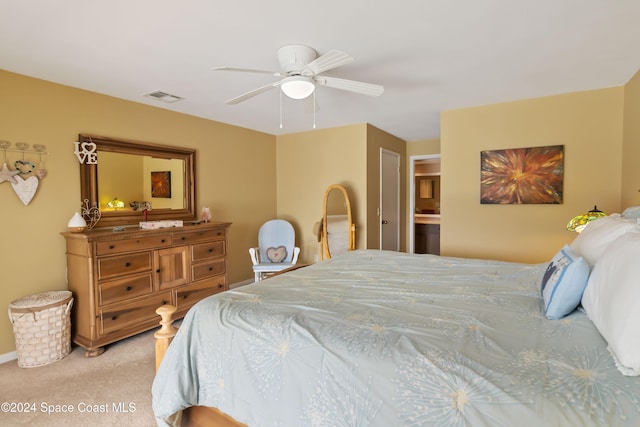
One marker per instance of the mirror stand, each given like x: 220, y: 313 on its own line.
x: 338, y: 230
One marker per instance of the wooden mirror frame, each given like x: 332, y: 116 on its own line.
x: 326, y: 252
x: 89, y: 180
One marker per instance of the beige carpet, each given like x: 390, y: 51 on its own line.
x: 117, y: 381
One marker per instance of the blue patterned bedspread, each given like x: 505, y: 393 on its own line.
x: 376, y: 338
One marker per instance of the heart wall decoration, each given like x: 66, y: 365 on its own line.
x: 25, y: 188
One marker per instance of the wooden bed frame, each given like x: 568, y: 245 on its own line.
x: 195, y: 416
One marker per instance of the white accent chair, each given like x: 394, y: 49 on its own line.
x: 276, y: 249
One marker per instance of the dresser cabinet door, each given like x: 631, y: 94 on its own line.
x: 172, y: 267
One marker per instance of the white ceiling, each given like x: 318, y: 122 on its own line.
x: 430, y: 55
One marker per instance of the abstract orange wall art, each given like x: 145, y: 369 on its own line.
x: 161, y: 184
x: 522, y: 175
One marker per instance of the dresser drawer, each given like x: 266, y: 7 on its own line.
x: 207, y: 250
x: 199, y: 236
x: 124, y: 264
x: 190, y: 294
x: 207, y: 269
x: 119, y: 316
x: 125, y: 288
x: 129, y: 245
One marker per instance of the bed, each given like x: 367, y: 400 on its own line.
x: 378, y: 338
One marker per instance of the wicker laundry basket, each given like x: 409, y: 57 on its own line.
x: 42, y: 327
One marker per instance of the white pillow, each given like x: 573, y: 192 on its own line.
x: 598, y: 234
x: 612, y: 301
x: 631, y: 212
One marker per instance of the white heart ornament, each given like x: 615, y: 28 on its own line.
x: 88, y: 147
x: 25, y: 189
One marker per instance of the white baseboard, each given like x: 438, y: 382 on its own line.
x: 8, y: 357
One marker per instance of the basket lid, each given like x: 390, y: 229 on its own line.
x: 41, y: 299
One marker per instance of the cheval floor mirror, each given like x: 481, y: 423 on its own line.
x: 338, y: 232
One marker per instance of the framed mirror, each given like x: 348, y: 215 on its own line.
x: 338, y: 229
x: 130, y: 173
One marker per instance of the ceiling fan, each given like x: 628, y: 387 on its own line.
x: 301, y: 70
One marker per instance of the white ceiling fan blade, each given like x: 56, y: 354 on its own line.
x: 247, y: 70
x: 252, y: 93
x: 350, y: 85
x: 328, y: 61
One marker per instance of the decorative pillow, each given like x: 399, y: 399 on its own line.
x: 278, y: 254
x: 612, y: 301
x: 563, y: 283
x: 597, y: 235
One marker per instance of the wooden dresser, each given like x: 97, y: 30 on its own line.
x: 118, y: 279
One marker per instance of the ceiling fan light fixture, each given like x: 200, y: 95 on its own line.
x: 297, y: 87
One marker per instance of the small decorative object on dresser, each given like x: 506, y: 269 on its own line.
x: 77, y: 224
x: 119, y: 278
x: 205, y: 214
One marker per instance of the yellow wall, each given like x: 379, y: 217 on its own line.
x: 235, y: 167
x: 176, y: 170
x: 631, y: 144
x: 588, y: 124
x: 308, y: 163
x: 422, y: 147
x: 120, y: 175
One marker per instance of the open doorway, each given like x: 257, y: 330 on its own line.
x: 424, y: 206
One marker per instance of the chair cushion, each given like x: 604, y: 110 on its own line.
x: 278, y: 254
x: 274, y: 234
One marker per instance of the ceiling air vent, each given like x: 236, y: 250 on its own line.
x: 163, y: 96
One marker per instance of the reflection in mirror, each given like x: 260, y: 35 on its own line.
x: 130, y: 175
x: 338, y: 230
x: 133, y: 178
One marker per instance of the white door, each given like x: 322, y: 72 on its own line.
x: 389, y: 200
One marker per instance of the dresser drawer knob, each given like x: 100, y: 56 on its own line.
x: 163, y: 302
x: 184, y: 296
x: 158, y: 271
x: 127, y: 264
x: 162, y: 241
x: 210, y: 249
x: 210, y: 268
x: 111, y: 246
x: 114, y: 317
x: 220, y: 286
x: 128, y: 288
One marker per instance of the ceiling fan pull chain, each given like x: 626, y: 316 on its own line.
x: 314, y: 109
x: 280, y: 109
